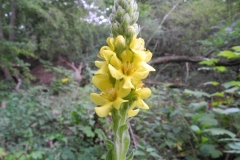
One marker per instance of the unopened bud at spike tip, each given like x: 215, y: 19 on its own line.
x: 120, y: 42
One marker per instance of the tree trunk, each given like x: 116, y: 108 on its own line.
x: 12, y: 21
x: 1, y: 32
x: 6, y: 71
x: 11, y: 37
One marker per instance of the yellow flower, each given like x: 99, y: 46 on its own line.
x: 64, y: 80
x: 109, y: 97
x: 139, y: 95
x: 132, y: 67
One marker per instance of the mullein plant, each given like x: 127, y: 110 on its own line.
x: 122, y: 68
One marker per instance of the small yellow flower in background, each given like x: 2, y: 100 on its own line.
x: 64, y: 80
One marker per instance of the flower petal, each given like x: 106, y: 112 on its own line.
x: 148, y: 56
x: 117, y: 103
x: 127, y: 56
x: 116, y: 62
x: 132, y: 113
x: 141, y: 104
x: 99, y: 64
x: 103, y: 70
x: 127, y: 82
x: 144, y: 93
x: 106, y: 54
x: 114, y: 72
x: 140, y: 75
x: 101, y: 81
x: 147, y: 66
x: 110, y: 42
x: 104, y: 110
x: 97, y: 99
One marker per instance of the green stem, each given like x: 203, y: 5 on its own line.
x: 121, y: 134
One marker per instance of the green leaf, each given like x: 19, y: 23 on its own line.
x: 214, y: 83
x: 130, y: 157
x: 218, y: 94
x: 229, y: 54
x: 235, y: 146
x: 220, y: 68
x: 122, y: 129
x: 210, y: 149
x: 109, y: 144
x: 209, y: 62
x: 232, y: 90
x: 139, y: 153
x: 37, y: 154
x: 204, y: 68
x: 198, y: 106
x: 197, y: 94
x: 236, y: 48
x: 88, y: 131
x: 2, y: 153
x: 220, y: 131
x: 230, y: 139
x: 231, y: 84
x: 195, y: 128
x: 207, y: 120
x: 204, y: 139
x: 226, y: 111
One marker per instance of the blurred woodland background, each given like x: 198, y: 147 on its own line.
x: 47, y: 54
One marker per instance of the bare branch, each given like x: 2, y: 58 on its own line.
x: 168, y: 59
x: 133, y: 137
x: 78, y: 71
x: 177, y: 59
x: 19, y: 82
x: 160, y: 25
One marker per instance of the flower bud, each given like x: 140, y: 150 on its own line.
x: 134, y: 17
x: 126, y: 20
x: 120, y: 43
x: 120, y: 11
x: 131, y: 31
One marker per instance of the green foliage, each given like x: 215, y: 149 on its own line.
x: 37, y: 125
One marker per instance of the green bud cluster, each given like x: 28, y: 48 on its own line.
x: 123, y: 18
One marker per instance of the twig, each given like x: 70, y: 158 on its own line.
x: 187, y: 74
x: 133, y: 137
x: 161, y: 70
x: 78, y: 71
x: 3, y: 105
x: 19, y: 82
x: 160, y: 25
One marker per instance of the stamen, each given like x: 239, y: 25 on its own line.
x: 127, y: 68
x: 109, y: 94
x: 100, y: 56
